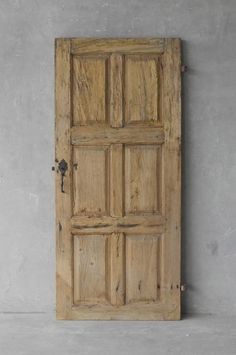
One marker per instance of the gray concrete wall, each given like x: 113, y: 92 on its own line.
x: 27, y: 32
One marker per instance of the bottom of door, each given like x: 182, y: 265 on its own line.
x: 153, y: 311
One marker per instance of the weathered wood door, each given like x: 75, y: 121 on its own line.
x: 118, y: 199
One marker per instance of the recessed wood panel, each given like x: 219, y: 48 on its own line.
x: 90, y: 268
x: 142, y: 179
x: 90, y: 180
x: 142, y: 90
x: 89, y: 90
x: 142, y: 268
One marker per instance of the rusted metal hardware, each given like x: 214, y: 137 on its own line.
x: 62, y: 168
x: 184, y: 68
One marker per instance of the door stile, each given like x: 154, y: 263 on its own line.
x: 63, y: 199
x: 172, y: 176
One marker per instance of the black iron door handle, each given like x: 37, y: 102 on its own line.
x: 62, y: 168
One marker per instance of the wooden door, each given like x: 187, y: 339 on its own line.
x: 118, y: 129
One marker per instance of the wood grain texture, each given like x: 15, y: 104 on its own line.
x: 116, y: 269
x: 142, y: 268
x: 116, y: 90
x: 141, y: 89
x: 116, y: 180
x: 98, y: 135
x: 135, y: 311
x: 63, y: 200
x: 89, y: 90
x: 118, y: 115
x: 90, y: 256
x: 127, y: 224
x: 90, y: 180
x: 142, y: 179
x: 172, y: 175
x: 120, y: 45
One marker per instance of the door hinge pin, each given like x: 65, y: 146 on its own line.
x: 184, y: 68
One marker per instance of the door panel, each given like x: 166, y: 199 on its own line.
x: 90, y: 269
x: 90, y: 180
x: 142, y: 179
x: 142, y: 89
x: 118, y: 202
x: 142, y: 268
x: 89, y: 90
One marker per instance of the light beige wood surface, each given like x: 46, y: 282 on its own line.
x: 89, y: 78
x: 141, y: 89
x: 118, y: 126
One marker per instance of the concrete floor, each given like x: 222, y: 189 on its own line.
x: 36, y: 334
